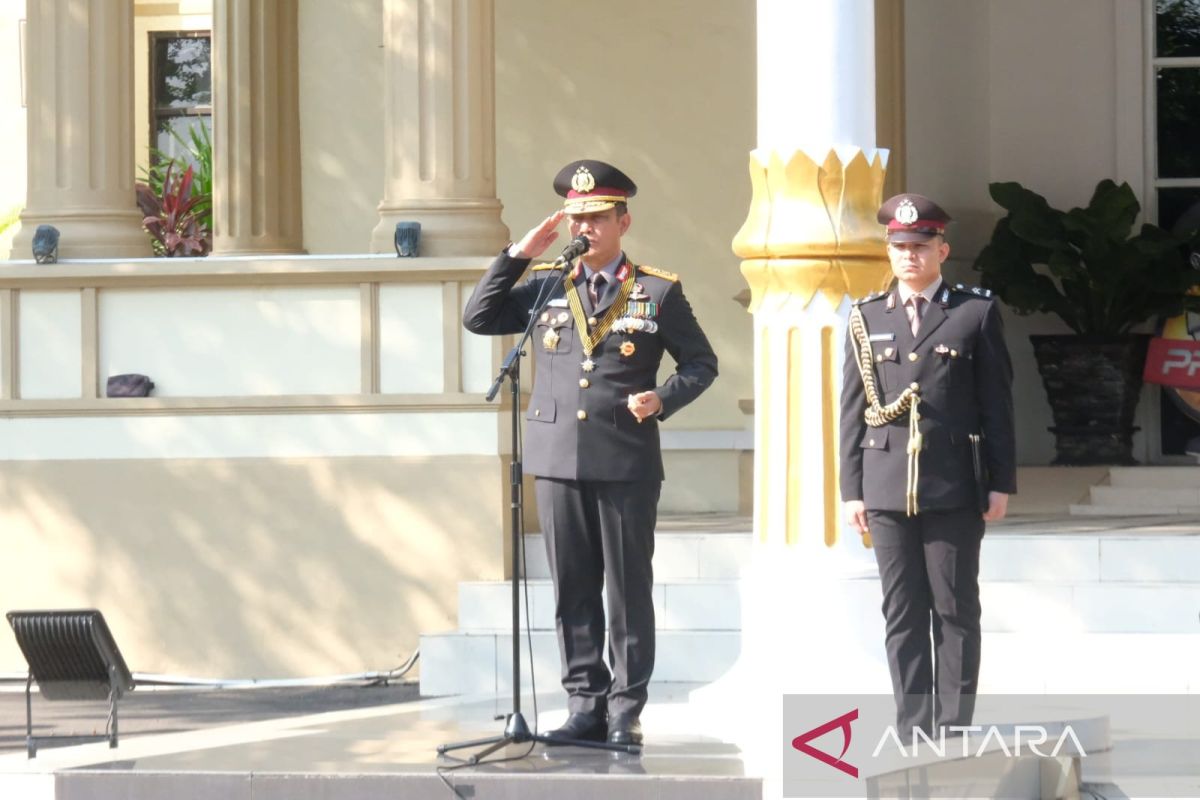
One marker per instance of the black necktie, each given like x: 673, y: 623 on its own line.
x: 918, y: 306
x: 596, y: 287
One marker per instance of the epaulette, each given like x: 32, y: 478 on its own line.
x: 978, y: 291
x: 869, y: 298
x: 543, y: 267
x: 659, y: 273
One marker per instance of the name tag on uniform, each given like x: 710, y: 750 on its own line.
x: 882, y: 337
x: 558, y: 302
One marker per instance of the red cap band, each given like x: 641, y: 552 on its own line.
x: 598, y: 191
x: 919, y: 225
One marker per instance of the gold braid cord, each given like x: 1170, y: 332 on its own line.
x: 877, y: 415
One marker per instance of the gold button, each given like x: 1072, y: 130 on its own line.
x: 954, y: 354
x: 537, y: 412
x: 879, y: 358
x: 870, y: 442
x: 584, y: 383
x: 591, y: 321
x: 581, y: 414
x: 912, y: 356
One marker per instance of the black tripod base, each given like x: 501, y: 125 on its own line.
x: 517, y: 732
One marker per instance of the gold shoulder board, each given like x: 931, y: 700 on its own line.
x: 542, y: 267
x: 659, y: 273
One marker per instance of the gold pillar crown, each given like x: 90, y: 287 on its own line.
x: 812, y: 227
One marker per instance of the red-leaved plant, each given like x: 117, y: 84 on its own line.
x: 175, y: 220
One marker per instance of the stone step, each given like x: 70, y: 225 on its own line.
x: 1088, y: 510
x: 1015, y: 661
x: 1183, y: 477
x: 678, y: 555
x: 481, y: 662
x: 1082, y: 558
x: 1146, y: 497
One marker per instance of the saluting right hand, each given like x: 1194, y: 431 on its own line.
x: 534, y: 243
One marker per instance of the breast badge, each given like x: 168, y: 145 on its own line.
x: 550, y: 340
x: 627, y: 348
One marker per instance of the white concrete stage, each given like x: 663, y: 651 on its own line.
x: 384, y: 752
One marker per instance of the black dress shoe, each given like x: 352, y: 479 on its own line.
x: 624, y: 729
x: 580, y: 726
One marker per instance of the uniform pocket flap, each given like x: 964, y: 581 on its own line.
x: 875, y: 439
x: 541, y: 409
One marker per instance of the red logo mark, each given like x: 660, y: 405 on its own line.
x: 801, y: 743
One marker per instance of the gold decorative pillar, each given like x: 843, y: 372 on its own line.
x: 256, y: 128
x: 440, y: 127
x: 810, y: 245
x: 79, y: 57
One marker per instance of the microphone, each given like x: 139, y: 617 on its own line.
x: 578, y: 246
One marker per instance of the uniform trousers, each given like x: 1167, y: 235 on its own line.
x: 600, y: 532
x: 929, y: 568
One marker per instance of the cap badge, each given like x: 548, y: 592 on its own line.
x: 582, y: 181
x: 906, y: 212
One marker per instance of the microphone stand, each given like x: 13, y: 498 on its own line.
x: 516, y: 729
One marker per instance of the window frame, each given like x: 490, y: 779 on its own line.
x: 1154, y: 63
x: 157, y: 114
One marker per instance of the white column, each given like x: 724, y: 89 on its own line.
x: 809, y: 244
x: 256, y: 128
x: 79, y: 73
x: 440, y: 127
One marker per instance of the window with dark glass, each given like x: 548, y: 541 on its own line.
x: 1176, y: 96
x: 180, y: 89
x: 1177, y: 108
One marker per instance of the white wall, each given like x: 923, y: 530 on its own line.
x: 234, y: 342
x: 1044, y: 93
x: 341, y: 122
x: 49, y: 351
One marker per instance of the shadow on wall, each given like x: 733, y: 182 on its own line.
x: 251, y: 567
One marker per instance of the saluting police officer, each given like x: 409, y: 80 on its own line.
x: 927, y: 456
x: 591, y: 433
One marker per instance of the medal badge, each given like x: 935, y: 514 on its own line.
x: 906, y: 212
x: 590, y: 332
x: 583, y: 181
x: 550, y: 340
x: 627, y: 348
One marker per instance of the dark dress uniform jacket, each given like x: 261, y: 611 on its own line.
x: 608, y: 444
x: 959, y: 361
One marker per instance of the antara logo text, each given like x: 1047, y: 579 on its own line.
x: 973, y: 741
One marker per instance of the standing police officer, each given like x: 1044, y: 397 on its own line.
x: 927, y: 456
x: 591, y: 436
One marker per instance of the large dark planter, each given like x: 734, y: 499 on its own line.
x: 1093, y: 384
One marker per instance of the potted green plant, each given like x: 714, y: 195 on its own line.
x: 1088, y: 267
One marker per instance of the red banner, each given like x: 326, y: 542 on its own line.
x: 1173, y: 362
